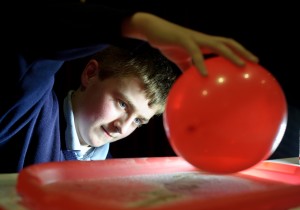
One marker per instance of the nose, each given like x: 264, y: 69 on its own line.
x: 122, y: 125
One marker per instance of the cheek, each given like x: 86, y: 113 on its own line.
x: 130, y: 130
x: 100, y: 110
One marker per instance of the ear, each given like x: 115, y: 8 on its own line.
x: 89, y: 73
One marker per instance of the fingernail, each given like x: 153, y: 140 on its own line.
x: 241, y: 62
x: 254, y: 59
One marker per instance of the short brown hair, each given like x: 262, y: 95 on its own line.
x: 156, y: 73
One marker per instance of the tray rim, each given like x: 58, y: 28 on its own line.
x: 31, y: 181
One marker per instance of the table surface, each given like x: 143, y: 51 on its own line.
x: 9, y: 199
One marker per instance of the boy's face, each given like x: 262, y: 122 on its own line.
x: 109, y: 110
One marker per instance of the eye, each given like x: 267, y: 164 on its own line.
x: 122, y: 104
x: 138, y: 122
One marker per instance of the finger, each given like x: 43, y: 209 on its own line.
x: 197, y: 58
x: 199, y: 66
x: 240, y: 49
x: 198, y: 62
x: 225, y: 51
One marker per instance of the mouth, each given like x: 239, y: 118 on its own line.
x: 107, y: 133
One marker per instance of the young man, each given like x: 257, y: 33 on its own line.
x: 120, y: 91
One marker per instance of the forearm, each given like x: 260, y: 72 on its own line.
x: 147, y: 27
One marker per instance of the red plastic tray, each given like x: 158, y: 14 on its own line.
x: 159, y: 183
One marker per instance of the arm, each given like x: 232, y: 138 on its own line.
x: 181, y: 45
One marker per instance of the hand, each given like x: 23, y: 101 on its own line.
x: 183, y: 46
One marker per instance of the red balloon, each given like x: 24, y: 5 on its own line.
x: 228, y: 121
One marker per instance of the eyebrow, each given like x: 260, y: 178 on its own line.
x: 144, y: 119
